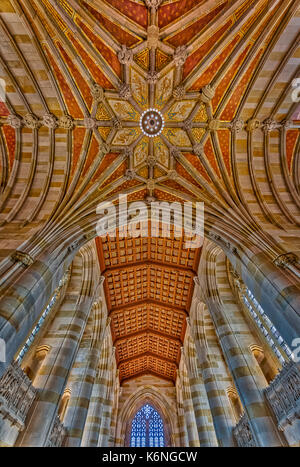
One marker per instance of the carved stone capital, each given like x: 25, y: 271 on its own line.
x: 124, y: 91
x: 269, y: 125
x: 196, y: 281
x: 253, y: 124
x: 207, y: 93
x: 180, y: 55
x: 14, y: 121
x: 152, y: 77
x: 152, y: 36
x: 24, y: 258
x: 97, y: 92
x: 285, y: 260
x: 237, y: 125
x: 66, y: 122
x: 198, y: 149
x: 50, y: 121
x: 125, y: 55
x: 90, y: 123
x: 31, y: 121
x: 179, y: 92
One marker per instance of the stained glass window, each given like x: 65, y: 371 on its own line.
x: 147, y: 429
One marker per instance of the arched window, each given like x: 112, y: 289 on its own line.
x: 147, y: 428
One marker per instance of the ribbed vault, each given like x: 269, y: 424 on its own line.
x: 78, y: 76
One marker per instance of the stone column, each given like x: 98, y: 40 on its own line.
x: 235, y: 338
x: 181, y: 419
x: 275, y: 286
x: 22, y: 303
x: 204, y: 421
x: 63, y: 338
x: 214, y: 373
x: 189, y: 414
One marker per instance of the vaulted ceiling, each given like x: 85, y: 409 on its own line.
x: 79, y: 74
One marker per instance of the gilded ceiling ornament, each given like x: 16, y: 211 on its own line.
x: 50, y: 121
x: 237, y: 125
x: 180, y: 55
x: 31, y: 121
x: 124, y: 91
x: 66, y: 122
x: 14, y: 121
x: 179, y: 92
x: 269, y: 125
x: 214, y: 124
x: 253, y: 124
x: 198, y: 149
x: 207, y: 94
x: 90, y: 123
x: 97, y: 92
x: 153, y: 3
x: 125, y: 55
x: 152, y: 36
x: 152, y: 77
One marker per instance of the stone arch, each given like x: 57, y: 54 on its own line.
x: 146, y: 394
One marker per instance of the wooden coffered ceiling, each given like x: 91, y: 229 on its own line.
x: 148, y: 287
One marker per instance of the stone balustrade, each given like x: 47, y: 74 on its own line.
x: 57, y: 435
x: 243, y: 434
x: 283, y: 394
x: 16, y: 395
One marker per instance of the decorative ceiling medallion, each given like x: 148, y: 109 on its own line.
x: 152, y: 122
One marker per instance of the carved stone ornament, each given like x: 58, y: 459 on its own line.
x: 31, y: 121
x: 198, y: 149
x: 179, y: 92
x: 97, y: 92
x: 90, y: 123
x: 207, y: 93
x: 285, y: 260
x: 14, y: 121
x: 125, y: 55
x: 66, y: 122
x: 124, y: 91
x: 50, y: 121
x: 180, y: 55
x: 24, y: 258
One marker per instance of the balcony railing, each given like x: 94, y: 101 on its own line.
x: 283, y: 394
x: 57, y: 435
x: 16, y: 395
x: 243, y: 434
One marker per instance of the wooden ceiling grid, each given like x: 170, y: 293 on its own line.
x: 148, y: 287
